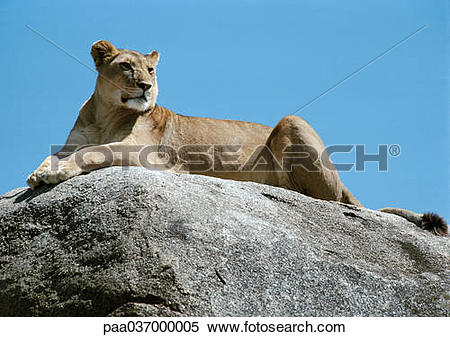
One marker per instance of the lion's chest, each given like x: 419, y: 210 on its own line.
x: 125, y: 129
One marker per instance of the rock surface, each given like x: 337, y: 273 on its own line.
x: 133, y: 242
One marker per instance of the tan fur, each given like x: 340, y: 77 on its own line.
x: 106, y: 120
x: 112, y: 119
x: 428, y: 221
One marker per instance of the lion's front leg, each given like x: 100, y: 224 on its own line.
x: 54, y: 170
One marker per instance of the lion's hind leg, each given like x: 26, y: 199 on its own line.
x: 306, y: 166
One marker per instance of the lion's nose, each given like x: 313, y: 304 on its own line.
x: 144, y: 85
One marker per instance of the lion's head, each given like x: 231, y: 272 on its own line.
x: 126, y: 78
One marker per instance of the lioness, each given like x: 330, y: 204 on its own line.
x: 121, y: 116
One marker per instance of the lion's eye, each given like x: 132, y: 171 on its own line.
x: 150, y: 70
x: 125, y: 66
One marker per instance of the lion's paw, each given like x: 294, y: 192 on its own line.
x: 53, y: 175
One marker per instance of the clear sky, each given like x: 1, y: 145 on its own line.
x: 247, y: 60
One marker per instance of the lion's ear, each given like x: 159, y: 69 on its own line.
x: 153, y: 57
x: 102, y: 52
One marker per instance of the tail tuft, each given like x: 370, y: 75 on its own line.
x: 434, y: 223
x: 430, y: 222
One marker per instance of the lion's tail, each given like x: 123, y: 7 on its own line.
x: 431, y: 222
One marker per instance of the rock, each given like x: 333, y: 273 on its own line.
x: 133, y: 242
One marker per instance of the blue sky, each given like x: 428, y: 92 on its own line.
x: 247, y: 60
